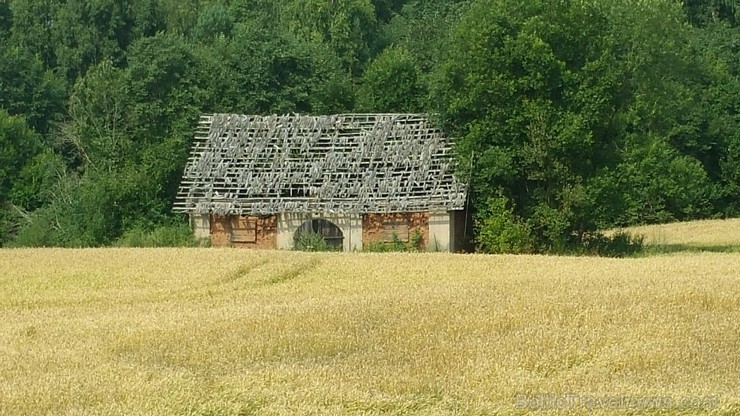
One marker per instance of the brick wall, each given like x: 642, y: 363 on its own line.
x: 372, y: 225
x: 266, y: 232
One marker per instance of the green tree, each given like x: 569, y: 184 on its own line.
x: 129, y: 132
x: 181, y: 16
x: 6, y: 20
x: 99, y: 133
x: 263, y: 13
x: 19, y: 145
x: 347, y: 26
x: 553, y: 101
x: 148, y: 17
x: 86, y: 32
x: 386, y: 9
x: 703, y: 12
x: 147, y: 112
x: 718, y: 110
x: 660, y: 185
x: 422, y: 28
x: 391, y: 83
x: 500, y: 231
x: 82, y: 214
x: 213, y: 21
x: 161, y: 83
x: 33, y: 28
x: 260, y: 71
x: 27, y: 89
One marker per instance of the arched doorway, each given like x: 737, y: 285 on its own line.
x: 318, y: 235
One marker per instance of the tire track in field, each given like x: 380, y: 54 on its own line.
x: 293, y: 272
x: 243, y: 271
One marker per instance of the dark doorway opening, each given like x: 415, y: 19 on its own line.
x: 318, y: 235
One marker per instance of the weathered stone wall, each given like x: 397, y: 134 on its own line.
x: 441, y: 229
x: 372, y: 226
x: 201, y: 225
x: 266, y: 232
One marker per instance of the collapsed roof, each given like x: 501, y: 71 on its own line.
x: 353, y: 163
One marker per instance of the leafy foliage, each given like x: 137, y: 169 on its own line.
x: 564, y: 112
x: 27, y: 89
x: 500, y: 231
x: 312, y: 241
x: 620, y: 244
x: 19, y: 155
x: 345, y: 26
x: 391, y: 83
x: 578, y: 116
x: 415, y: 243
x: 177, y: 235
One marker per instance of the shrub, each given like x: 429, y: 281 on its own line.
x: 312, y: 241
x: 41, y: 230
x: 500, y: 231
x: 415, y: 243
x: 618, y: 245
x: 177, y: 235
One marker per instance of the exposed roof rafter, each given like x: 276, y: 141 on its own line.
x: 340, y: 163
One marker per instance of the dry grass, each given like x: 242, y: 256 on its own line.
x: 698, y: 233
x: 230, y: 332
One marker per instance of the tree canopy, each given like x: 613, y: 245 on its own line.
x: 570, y: 117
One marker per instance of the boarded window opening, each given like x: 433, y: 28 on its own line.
x: 395, y: 231
x: 243, y: 230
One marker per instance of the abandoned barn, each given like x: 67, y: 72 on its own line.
x: 350, y: 179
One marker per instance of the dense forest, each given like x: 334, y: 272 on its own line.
x: 570, y: 116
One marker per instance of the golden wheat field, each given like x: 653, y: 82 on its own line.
x: 698, y: 233
x: 233, y: 332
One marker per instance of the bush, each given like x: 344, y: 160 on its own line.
x: 311, y: 241
x: 500, y: 231
x: 178, y: 235
x: 415, y: 243
x: 40, y: 231
x: 618, y: 245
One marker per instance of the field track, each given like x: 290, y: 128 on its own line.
x: 233, y: 332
